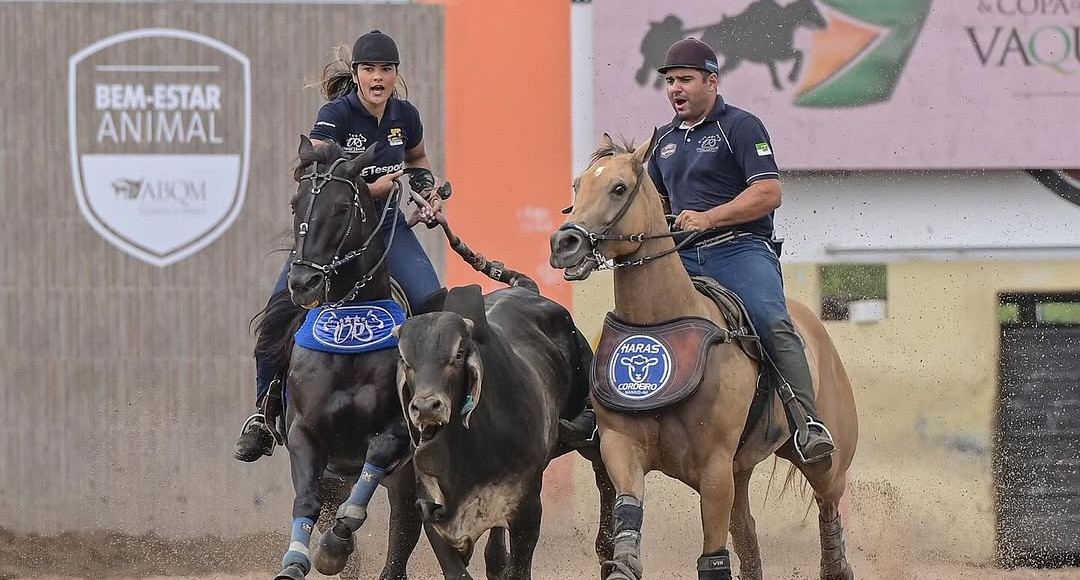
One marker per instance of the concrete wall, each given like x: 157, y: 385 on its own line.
x: 125, y: 384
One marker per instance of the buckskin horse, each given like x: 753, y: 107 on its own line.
x: 674, y: 387
x: 342, y: 415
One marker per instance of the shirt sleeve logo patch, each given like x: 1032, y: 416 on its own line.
x: 396, y: 137
x: 763, y: 149
x: 667, y: 151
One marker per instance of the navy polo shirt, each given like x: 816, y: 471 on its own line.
x: 705, y: 165
x: 347, y: 122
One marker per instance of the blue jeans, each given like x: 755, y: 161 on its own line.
x: 749, y: 267
x: 407, y: 263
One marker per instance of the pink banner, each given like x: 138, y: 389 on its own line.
x: 863, y: 84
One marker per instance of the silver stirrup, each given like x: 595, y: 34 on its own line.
x: 251, y: 420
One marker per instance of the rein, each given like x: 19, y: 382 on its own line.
x: 318, y: 181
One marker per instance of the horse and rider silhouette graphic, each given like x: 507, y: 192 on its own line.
x: 764, y: 33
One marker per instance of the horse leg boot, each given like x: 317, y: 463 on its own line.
x: 307, y: 462
x: 624, y: 459
x: 813, y: 442
x: 743, y: 529
x: 717, y: 489
x: 834, y: 564
x: 385, y: 452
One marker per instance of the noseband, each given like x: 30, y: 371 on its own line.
x: 595, y: 239
x: 318, y: 181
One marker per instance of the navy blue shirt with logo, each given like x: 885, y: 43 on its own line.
x: 705, y: 165
x: 347, y: 122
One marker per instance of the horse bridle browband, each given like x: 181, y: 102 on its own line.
x: 595, y: 239
x: 318, y: 181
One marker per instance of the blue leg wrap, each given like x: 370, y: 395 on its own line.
x: 366, y: 485
x: 298, y: 553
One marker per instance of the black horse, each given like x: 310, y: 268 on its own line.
x: 343, y: 417
x: 764, y: 33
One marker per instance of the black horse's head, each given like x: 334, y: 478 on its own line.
x: 335, y: 228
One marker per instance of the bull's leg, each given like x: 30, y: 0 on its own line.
x: 605, y: 533
x: 743, y: 529
x: 452, y: 562
x: 524, y: 533
x: 625, y: 464
x: 384, y: 454
x: 496, y: 554
x: 404, y: 523
x: 834, y: 564
x: 717, y: 488
x: 307, y: 461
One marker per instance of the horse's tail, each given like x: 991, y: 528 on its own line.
x: 793, y: 482
x: 275, y: 326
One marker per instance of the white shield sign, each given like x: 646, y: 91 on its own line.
x: 160, y: 127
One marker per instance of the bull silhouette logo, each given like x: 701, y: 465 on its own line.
x: 640, y: 367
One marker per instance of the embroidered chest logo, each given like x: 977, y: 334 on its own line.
x: 396, y: 137
x: 667, y: 151
x: 355, y: 143
x: 640, y: 367
x: 709, y: 144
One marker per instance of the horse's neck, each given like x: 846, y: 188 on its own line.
x: 657, y: 290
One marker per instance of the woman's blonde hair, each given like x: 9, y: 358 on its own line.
x: 337, y: 76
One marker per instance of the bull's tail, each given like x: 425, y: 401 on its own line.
x: 582, y: 359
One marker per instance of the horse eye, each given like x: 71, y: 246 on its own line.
x: 619, y: 189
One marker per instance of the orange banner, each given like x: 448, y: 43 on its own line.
x: 508, y: 134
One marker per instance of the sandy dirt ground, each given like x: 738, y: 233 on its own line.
x: 888, y: 533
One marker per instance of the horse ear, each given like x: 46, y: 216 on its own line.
x: 357, y: 164
x: 306, y: 148
x: 644, y: 151
x: 606, y: 141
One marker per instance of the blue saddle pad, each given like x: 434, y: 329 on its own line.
x: 353, y: 328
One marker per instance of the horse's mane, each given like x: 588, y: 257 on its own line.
x: 609, y: 148
x: 323, y: 154
x: 275, y: 326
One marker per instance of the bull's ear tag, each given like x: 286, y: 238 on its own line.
x: 470, y: 404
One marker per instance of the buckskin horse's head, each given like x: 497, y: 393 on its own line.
x: 613, y: 201
x: 334, y: 225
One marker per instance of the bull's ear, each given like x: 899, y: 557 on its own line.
x: 404, y: 397
x: 476, y: 382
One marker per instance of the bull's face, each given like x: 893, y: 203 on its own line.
x: 439, y: 372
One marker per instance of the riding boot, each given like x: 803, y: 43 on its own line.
x: 813, y: 442
x: 256, y: 439
x: 580, y: 431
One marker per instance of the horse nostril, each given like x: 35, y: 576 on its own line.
x: 436, y: 405
x: 570, y: 242
x: 313, y: 282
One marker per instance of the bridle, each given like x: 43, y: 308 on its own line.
x: 595, y: 239
x: 318, y: 181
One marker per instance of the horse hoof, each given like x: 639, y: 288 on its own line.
x: 290, y: 572
x: 333, y: 553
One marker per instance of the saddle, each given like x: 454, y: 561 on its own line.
x: 647, y: 367
x: 275, y: 404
